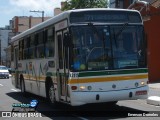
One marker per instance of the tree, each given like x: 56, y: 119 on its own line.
x: 80, y: 4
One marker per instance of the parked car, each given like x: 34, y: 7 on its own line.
x: 4, y: 73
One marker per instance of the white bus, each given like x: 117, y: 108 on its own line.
x: 83, y: 56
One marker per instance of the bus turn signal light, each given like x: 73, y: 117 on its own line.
x: 74, y: 87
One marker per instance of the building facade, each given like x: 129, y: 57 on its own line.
x: 150, y: 10
x: 17, y: 25
x: 4, y: 39
x: 22, y: 23
x: 120, y: 3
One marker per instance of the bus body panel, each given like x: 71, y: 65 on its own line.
x: 81, y: 98
x: 110, y: 87
x: 34, y: 73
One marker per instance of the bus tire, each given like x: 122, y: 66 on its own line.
x: 51, y: 93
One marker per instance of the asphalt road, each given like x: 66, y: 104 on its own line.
x: 122, y: 110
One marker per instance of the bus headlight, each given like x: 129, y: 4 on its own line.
x: 142, y: 83
x: 82, y: 87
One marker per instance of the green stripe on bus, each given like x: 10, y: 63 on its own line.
x: 115, y: 72
x: 49, y: 74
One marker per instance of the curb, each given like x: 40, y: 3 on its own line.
x: 154, y: 86
x: 153, y: 100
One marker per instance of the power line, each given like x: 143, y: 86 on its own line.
x: 39, y: 12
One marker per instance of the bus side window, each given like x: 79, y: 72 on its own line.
x: 29, y: 51
x: 40, y: 45
x: 32, y: 48
x: 49, y: 42
x: 21, y: 47
x: 25, y: 50
x: 40, y: 51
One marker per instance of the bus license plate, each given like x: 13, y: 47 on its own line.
x: 144, y: 92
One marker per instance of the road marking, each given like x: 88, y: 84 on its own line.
x: 1, y: 85
x: 14, y: 90
x: 82, y: 118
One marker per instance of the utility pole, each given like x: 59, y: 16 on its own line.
x: 39, y: 12
x: 108, y: 6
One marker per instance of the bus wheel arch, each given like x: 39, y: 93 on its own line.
x: 50, y: 92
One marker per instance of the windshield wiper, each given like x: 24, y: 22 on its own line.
x: 95, y: 31
x: 116, y: 35
x: 121, y: 30
x: 102, y: 38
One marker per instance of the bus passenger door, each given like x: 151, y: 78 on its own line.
x: 17, y: 82
x: 62, y: 67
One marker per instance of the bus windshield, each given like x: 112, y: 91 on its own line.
x: 107, y: 47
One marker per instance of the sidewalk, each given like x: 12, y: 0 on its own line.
x: 154, y: 85
x: 154, y: 100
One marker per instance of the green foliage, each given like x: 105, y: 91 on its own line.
x: 80, y: 4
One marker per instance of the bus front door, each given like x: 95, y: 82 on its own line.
x: 63, y: 53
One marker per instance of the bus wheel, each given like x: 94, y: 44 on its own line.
x: 51, y: 94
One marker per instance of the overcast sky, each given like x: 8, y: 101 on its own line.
x: 11, y: 8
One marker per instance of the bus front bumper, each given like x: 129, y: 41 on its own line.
x: 85, y: 97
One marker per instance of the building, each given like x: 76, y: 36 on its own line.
x: 18, y: 24
x: 22, y: 23
x: 151, y: 16
x: 120, y: 3
x: 4, y: 39
x: 58, y: 10
x: 150, y: 11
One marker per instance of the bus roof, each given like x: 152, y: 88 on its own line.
x: 61, y: 16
